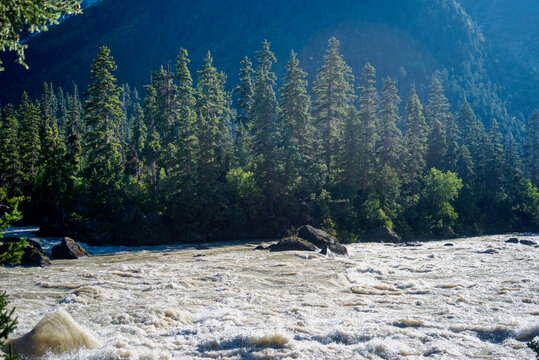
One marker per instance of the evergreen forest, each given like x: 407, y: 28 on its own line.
x: 186, y: 160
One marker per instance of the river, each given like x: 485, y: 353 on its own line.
x: 477, y: 299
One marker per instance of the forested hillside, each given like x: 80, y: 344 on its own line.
x: 509, y: 26
x: 187, y: 160
x: 409, y: 42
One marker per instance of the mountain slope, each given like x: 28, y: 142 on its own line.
x: 408, y: 40
x: 510, y: 26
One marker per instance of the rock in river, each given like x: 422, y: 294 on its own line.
x: 334, y: 249
x: 57, y: 333
x: 381, y: 234
x: 68, y: 250
x: 315, y: 236
x: 33, y: 253
x: 293, y: 243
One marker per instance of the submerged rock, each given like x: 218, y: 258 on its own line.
x: 512, y: 241
x: 334, y: 249
x: 315, y: 236
x: 381, y: 234
x: 260, y: 247
x: 293, y: 243
x: 68, y: 250
x: 449, y: 244
x: 528, y: 242
x: 488, y: 251
x: 410, y: 244
x: 57, y: 333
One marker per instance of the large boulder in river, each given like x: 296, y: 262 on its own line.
x: 57, y: 333
x: 293, y: 243
x: 34, y: 257
x: 68, y: 250
x: 381, y: 234
x: 33, y: 253
x: 315, y: 236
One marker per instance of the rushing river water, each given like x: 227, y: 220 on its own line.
x: 477, y: 299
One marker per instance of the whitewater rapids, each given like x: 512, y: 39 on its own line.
x: 477, y: 299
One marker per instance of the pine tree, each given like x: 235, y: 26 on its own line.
x: 532, y: 148
x: 495, y: 161
x: 389, y: 147
x: 333, y: 94
x: 30, y: 143
x: 48, y: 111
x: 54, y: 179
x: 73, y: 132
x: 103, y: 116
x: 436, y: 116
x: 60, y: 108
x: 214, y: 141
x: 10, y: 161
x: 264, y: 128
x: 153, y: 147
x: 161, y: 121
x: 296, y: 126
x: 134, y: 164
x: 245, y: 93
x: 351, y: 174
x: 187, y: 141
x: 415, y: 138
x: 180, y: 188
x: 368, y: 105
x: 468, y: 126
x: 452, y: 136
x: 465, y: 166
x: 512, y: 157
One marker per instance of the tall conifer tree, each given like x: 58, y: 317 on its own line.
x: 103, y: 116
x: 368, y: 106
x: 532, y: 148
x: 389, y: 147
x: 295, y: 121
x: 333, y: 94
x: 264, y: 129
x: 244, y: 93
x: 30, y: 145
x: 415, y: 138
x: 436, y: 116
x: 10, y: 161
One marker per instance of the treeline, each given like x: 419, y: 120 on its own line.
x: 194, y: 162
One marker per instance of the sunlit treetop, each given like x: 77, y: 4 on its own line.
x: 33, y: 16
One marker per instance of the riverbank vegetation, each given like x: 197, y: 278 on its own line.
x: 189, y: 160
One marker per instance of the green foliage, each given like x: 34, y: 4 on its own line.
x: 8, y: 324
x: 368, y: 122
x: 415, y: 138
x: 389, y: 146
x: 372, y: 213
x: 534, y: 345
x: 103, y: 115
x: 13, y: 254
x: 333, y: 93
x: 435, y: 209
x: 27, y: 15
x: 532, y: 147
x: 329, y: 226
x: 185, y: 161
